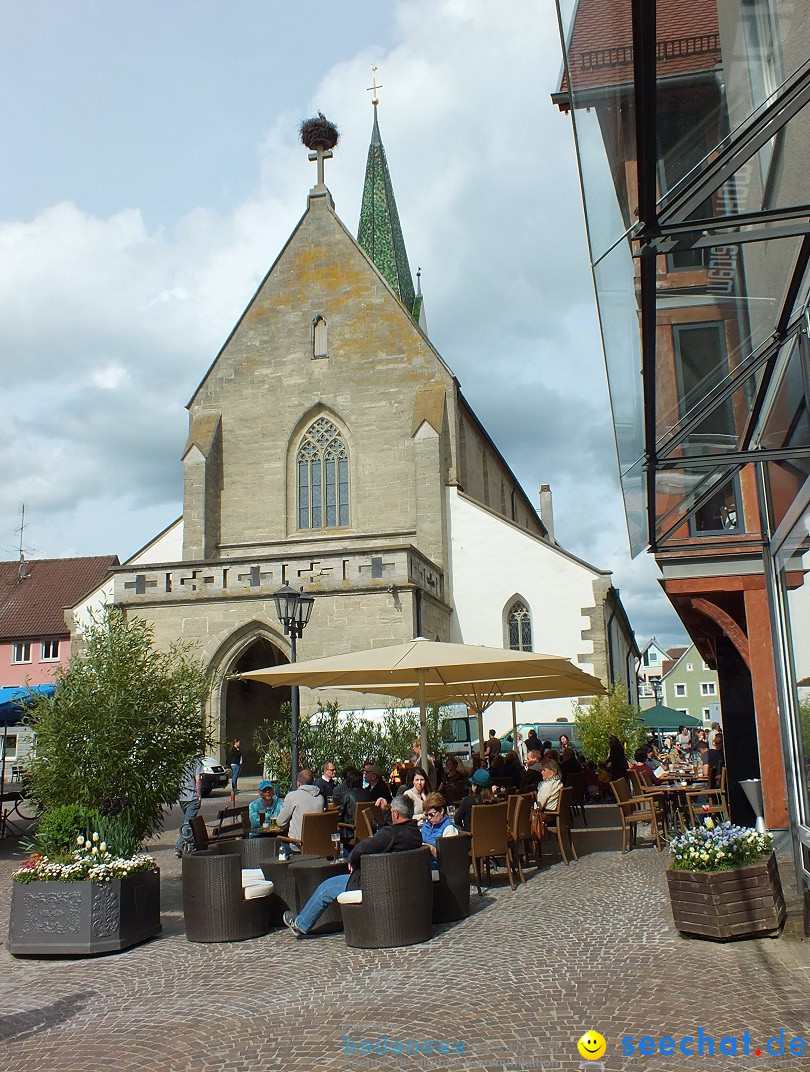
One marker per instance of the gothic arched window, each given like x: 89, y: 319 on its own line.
x: 323, y: 478
x: 519, y: 623
x: 319, y: 341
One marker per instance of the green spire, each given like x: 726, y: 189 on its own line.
x: 379, y: 232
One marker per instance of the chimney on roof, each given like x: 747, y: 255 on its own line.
x: 547, y: 510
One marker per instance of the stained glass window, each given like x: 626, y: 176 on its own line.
x: 520, y: 627
x: 323, y: 478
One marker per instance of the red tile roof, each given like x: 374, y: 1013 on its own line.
x: 600, y: 52
x: 34, y: 595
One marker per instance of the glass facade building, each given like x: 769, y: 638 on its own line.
x: 693, y: 139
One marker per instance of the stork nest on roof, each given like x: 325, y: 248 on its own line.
x: 319, y: 133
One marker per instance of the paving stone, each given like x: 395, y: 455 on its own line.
x: 591, y: 945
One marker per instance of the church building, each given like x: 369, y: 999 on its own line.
x: 330, y: 448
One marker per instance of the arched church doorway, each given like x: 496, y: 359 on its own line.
x: 249, y: 703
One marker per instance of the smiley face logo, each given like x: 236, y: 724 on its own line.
x: 592, y: 1046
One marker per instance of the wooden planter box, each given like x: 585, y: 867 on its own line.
x: 740, y: 903
x: 83, y: 918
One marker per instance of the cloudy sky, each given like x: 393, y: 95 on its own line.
x: 152, y: 173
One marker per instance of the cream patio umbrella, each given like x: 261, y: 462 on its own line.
x: 437, y: 672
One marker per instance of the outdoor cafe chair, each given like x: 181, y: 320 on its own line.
x: 708, y: 801
x: 490, y: 838
x: 451, y: 882
x: 635, y: 810
x: 361, y: 827
x: 203, y: 837
x: 222, y: 902
x: 559, y: 820
x: 394, y: 905
x: 521, y: 832
x: 316, y: 833
x: 575, y: 780
x: 233, y: 822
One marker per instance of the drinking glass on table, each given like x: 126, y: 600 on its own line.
x: 336, y: 845
x: 261, y: 818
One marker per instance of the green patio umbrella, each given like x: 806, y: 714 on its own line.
x: 667, y: 718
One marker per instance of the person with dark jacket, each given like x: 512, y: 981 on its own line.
x: 480, y: 793
x: 347, y: 796
x: 533, y: 743
x: 326, y: 782
x: 402, y: 834
x: 534, y: 773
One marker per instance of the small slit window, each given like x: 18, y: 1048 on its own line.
x: 520, y: 627
x: 319, y: 340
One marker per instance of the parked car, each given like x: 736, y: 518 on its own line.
x: 214, y: 775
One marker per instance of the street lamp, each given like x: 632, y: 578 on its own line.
x: 293, y: 610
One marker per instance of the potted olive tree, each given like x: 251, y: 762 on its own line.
x: 724, y: 882
x: 112, y: 743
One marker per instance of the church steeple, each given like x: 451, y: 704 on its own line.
x: 379, y: 233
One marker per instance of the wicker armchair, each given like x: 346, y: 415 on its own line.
x: 490, y: 838
x: 316, y: 833
x: 361, y: 828
x: 395, y: 906
x: 216, y: 905
x: 451, y: 883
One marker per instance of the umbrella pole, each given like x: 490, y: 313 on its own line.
x: 514, y: 725
x: 423, y: 737
x: 480, y: 714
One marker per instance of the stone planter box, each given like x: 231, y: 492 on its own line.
x: 83, y: 918
x: 740, y: 903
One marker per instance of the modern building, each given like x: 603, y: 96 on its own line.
x: 331, y: 447
x: 694, y: 144
x: 34, y: 598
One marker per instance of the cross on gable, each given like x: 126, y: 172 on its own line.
x: 196, y: 580
x: 320, y: 155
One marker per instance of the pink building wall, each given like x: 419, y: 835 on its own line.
x: 35, y: 672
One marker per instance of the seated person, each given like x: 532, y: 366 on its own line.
x: 266, y: 802
x: 347, y: 795
x: 417, y: 794
x: 548, y: 796
x: 548, y: 792
x: 453, y: 775
x: 512, y: 768
x: 304, y: 799
x: 642, y: 766
x: 532, y: 777
x: 437, y: 823
x: 480, y: 793
x: 402, y: 834
x: 376, y: 787
x: 326, y: 782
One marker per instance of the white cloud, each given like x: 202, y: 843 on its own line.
x: 107, y: 323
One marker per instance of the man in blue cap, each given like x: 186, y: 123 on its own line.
x: 266, y: 802
x: 480, y: 793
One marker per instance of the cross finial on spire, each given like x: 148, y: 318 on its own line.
x: 372, y: 89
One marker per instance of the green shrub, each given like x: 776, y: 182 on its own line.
x: 59, y: 828
x: 608, y: 715
x: 125, y: 719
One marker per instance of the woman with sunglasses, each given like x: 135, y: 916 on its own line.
x: 437, y: 823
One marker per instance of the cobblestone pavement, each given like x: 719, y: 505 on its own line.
x: 586, y: 946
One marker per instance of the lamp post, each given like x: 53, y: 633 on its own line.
x: 293, y: 610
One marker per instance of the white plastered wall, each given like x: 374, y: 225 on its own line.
x: 491, y: 563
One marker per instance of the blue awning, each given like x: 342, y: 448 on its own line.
x: 12, y: 698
